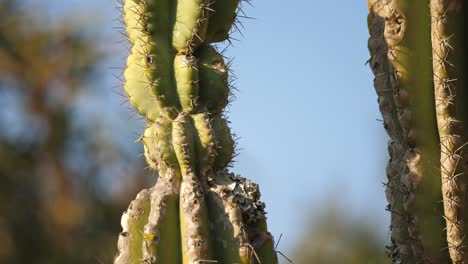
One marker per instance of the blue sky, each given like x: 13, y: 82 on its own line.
x: 306, y: 111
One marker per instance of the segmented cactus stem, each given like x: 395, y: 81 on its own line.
x: 423, y: 104
x: 197, y: 212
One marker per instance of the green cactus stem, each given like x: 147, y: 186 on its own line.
x: 197, y: 212
x: 423, y: 104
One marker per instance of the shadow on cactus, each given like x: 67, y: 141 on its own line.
x: 197, y: 212
x: 419, y: 62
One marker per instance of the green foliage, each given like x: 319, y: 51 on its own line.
x: 179, y: 82
x: 334, y: 237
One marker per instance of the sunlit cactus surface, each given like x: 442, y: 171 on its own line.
x: 198, y: 212
x: 418, y: 57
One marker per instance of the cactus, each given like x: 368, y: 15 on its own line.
x: 418, y: 59
x: 197, y: 212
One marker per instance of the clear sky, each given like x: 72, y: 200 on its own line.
x: 306, y: 110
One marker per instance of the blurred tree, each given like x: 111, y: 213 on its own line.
x: 336, y: 238
x: 53, y: 208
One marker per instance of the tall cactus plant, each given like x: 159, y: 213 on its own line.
x: 197, y: 212
x: 418, y: 57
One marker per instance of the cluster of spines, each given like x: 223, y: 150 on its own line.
x: 172, y: 56
x: 418, y: 101
x: 180, y: 83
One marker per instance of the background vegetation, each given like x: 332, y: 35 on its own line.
x: 68, y: 167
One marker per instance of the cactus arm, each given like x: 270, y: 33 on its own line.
x: 430, y: 98
x: 444, y: 26
x: 179, y: 83
x: 405, y: 27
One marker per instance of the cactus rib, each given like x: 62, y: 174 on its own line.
x: 449, y: 127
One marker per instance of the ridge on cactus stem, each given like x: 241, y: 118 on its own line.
x: 419, y: 61
x: 198, y: 211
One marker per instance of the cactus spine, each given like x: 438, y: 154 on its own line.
x: 197, y: 212
x: 423, y: 104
